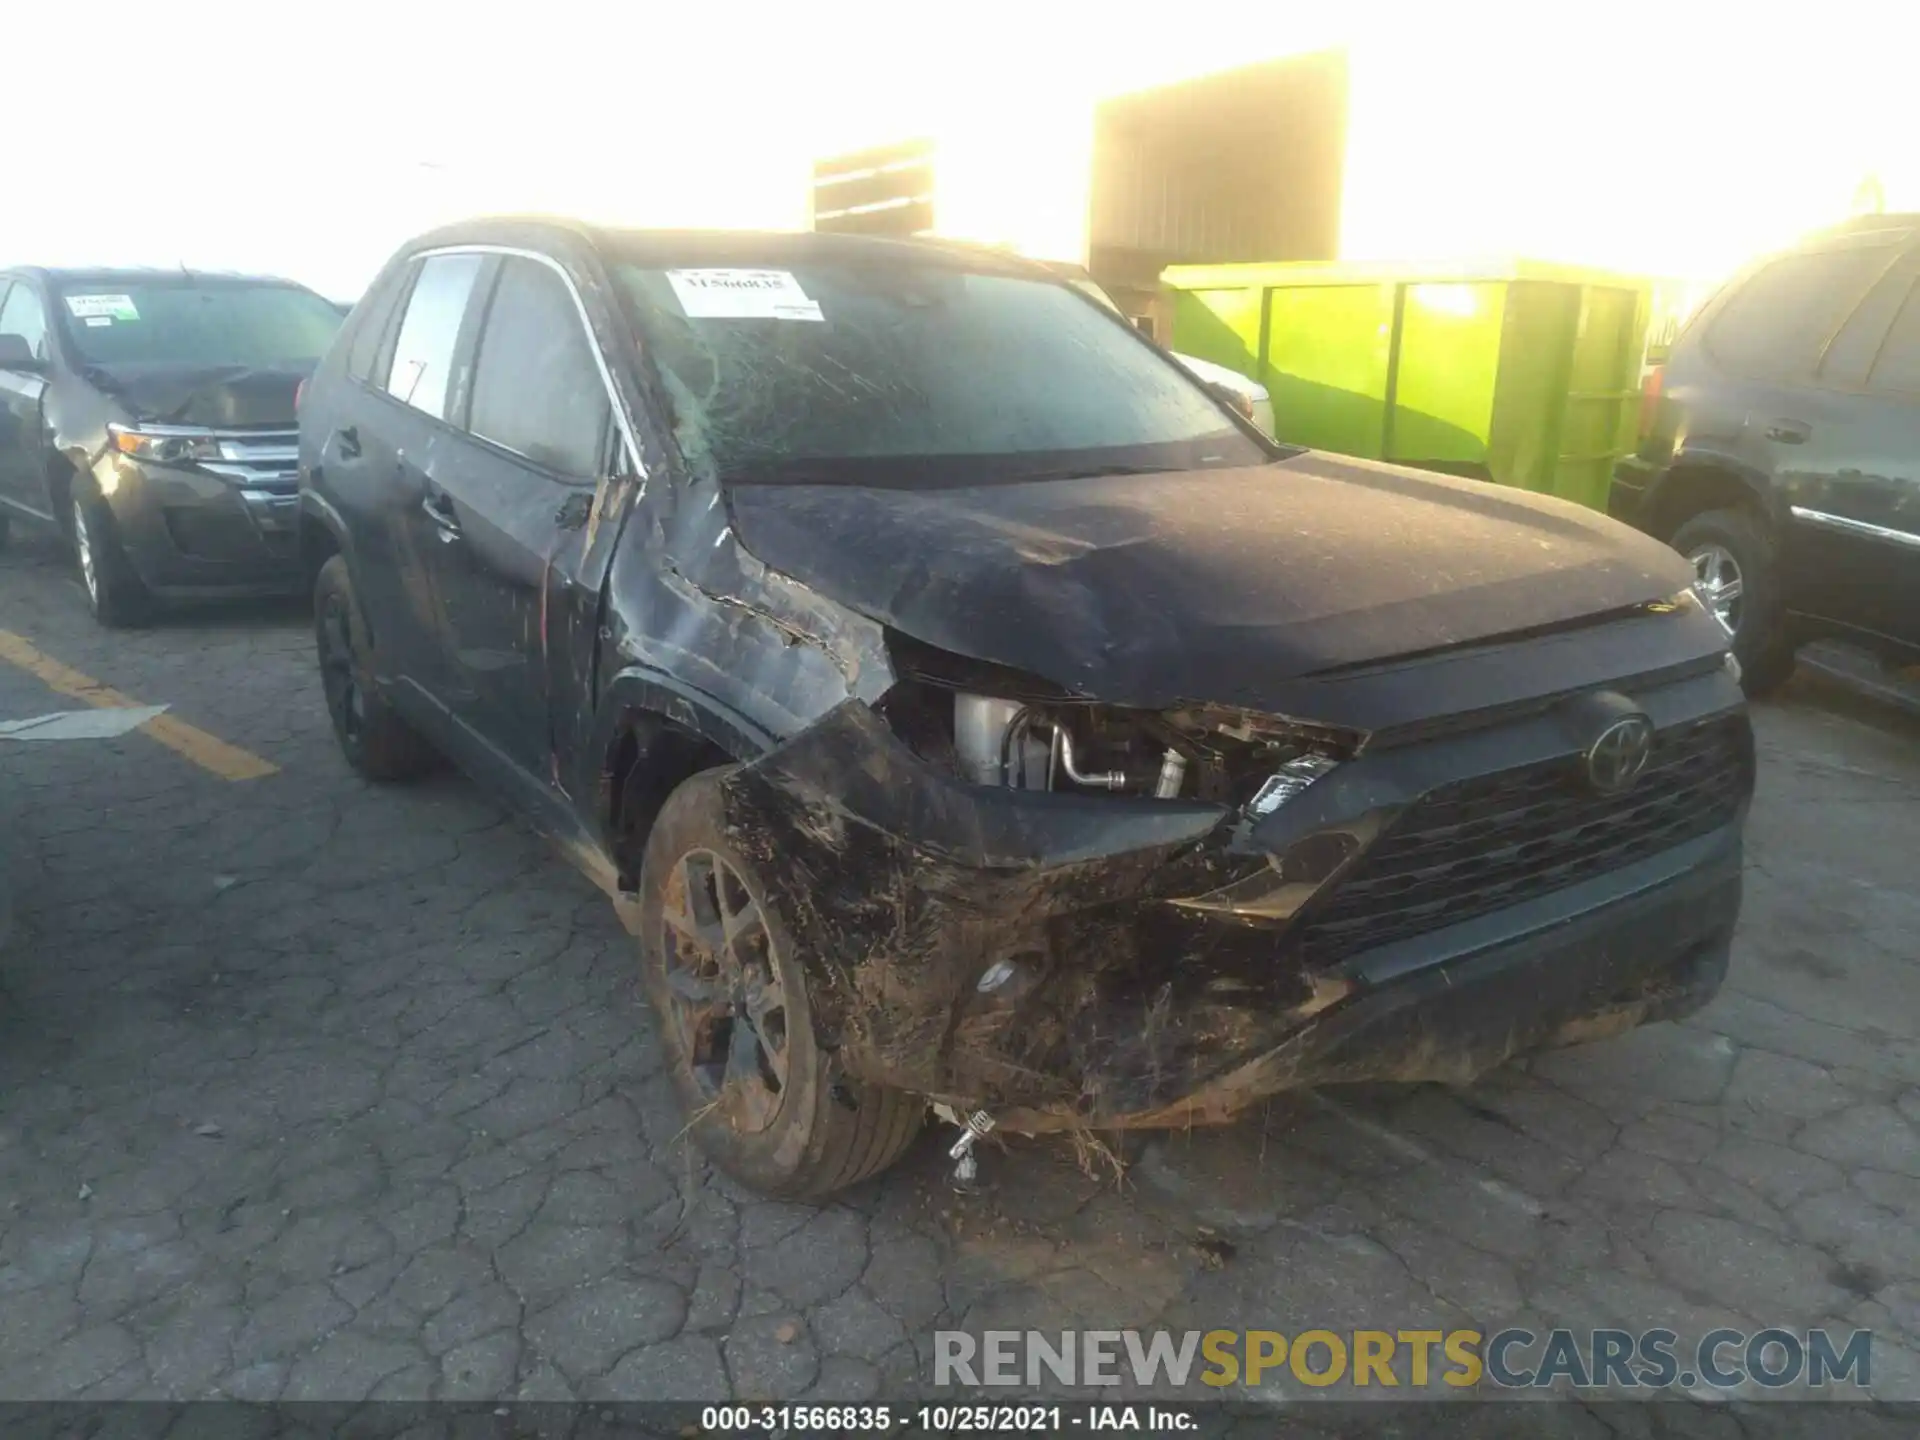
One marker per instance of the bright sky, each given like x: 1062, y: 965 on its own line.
x: 311, y: 141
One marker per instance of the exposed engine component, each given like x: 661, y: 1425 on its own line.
x: 997, y: 743
x: 1062, y: 745
x: 1029, y: 745
x: 1173, y: 774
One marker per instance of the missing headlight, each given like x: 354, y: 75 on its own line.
x: 1111, y: 750
x: 994, y: 726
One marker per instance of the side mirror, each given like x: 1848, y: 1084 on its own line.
x: 1234, y: 400
x: 16, y: 354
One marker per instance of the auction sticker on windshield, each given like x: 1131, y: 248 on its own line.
x: 742, y: 295
x: 97, y: 307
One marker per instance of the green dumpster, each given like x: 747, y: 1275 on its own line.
x: 1520, y: 372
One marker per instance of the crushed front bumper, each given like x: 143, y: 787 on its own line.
x: 1156, y: 968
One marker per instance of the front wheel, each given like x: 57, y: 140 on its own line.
x: 1737, y: 574
x: 116, y: 597
x: 764, y: 1100
x: 376, y: 741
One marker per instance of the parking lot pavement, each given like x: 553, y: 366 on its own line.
x: 315, y: 1089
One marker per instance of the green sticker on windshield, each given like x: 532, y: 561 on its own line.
x: 93, y: 307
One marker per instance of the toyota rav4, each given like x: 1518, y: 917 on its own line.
x: 966, y: 706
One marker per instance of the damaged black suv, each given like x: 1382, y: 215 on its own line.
x: 963, y: 705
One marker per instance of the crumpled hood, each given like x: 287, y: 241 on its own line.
x: 1212, y: 585
x: 225, y: 395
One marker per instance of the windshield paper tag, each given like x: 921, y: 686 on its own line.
x: 742, y: 295
x: 113, y: 307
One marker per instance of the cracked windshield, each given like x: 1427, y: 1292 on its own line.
x: 860, y: 720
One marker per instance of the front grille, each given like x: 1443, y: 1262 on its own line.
x: 259, y: 459
x: 1483, y: 844
x: 259, y: 447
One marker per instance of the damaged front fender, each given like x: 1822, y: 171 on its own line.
x: 905, y: 886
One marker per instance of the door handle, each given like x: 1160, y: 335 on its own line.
x: 1789, y: 432
x: 348, y: 439
x: 439, y: 508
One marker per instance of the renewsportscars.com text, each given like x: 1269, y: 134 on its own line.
x: 1511, y: 1359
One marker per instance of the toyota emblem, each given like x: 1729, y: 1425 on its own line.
x: 1616, y: 758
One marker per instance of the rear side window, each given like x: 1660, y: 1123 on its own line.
x: 423, y: 355
x: 1781, y: 319
x: 1898, y: 367
x: 373, y: 326
x: 536, y: 388
x: 23, y: 315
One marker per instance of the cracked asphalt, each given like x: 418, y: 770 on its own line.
x: 315, y: 1089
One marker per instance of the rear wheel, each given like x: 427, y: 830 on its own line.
x: 1737, y: 573
x: 116, y: 597
x: 765, y: 1101
x: 376, y: 741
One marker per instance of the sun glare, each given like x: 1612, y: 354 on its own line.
x: 1630, y: 136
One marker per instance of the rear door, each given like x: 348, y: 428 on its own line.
x: 507, y: 525
x: 351, y: 463
x: 1767, y: 400
x: 23, y: 480
x: 1855, y: 504
x: 403, y: 438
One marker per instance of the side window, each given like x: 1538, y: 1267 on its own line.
x: 1780, y: 320
x: 1848, y: 358
x: 537, y: 390
x: 373, y: 325
x: 1898, y: 367
x: 423, y: 354
x: 23, y: 315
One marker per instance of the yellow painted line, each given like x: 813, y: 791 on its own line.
x: 209, y: 752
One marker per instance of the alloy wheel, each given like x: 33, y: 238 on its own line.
x: 83, y: 552
x: 1718, y: 580
x: 728, y: 999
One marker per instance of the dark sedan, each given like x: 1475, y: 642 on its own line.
x: 148, y: 416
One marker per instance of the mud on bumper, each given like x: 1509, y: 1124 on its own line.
x: 1156, y: 975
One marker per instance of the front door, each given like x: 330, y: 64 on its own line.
x: 23, y: 473
x: 508, y: 523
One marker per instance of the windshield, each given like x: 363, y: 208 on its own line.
x: 183, y: 322
x: 909, y: 372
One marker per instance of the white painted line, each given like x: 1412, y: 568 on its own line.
x: 81, y: 724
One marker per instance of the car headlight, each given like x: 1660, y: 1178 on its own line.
x: 164, y: 444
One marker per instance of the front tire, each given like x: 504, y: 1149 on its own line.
x: 765, y: 1101
x: 376, y: 742
x: 116, y: 596
x: 1738, y: 571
